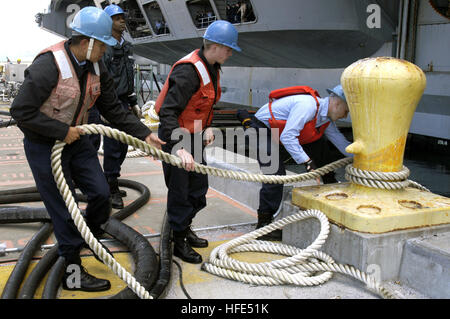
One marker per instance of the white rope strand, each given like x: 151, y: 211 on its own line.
x: 84, y: 230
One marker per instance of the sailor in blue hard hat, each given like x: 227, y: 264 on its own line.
x: 186, y: 102
x: 60, y: 87
x: 225, y: 36
x: 114, y: 9
x: 119, y: 24
x: 119, y: 61
x: 223, y: 32
x: 95, y: 24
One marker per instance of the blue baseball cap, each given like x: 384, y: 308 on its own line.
x: 338, y: 91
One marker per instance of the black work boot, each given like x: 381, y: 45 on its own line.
x: 122, y: 193
x: 265, y: 219
x: 77, y: 278
x: 183, y: 250
x: 116, y: 197
x: 194, y: 240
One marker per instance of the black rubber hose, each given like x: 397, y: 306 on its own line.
x: 30, y: 194
x: 146, y: 263
x: 142, y: 251
x: 143, y: 254
x: 25, y: 190
x: 54, y: 279
x: 136, y: 204
x: 22, y: 214
x: 39, y: 271
x: 31, y: 197
x: 20, y: 198
x: 12, y: 285
x: 165, y: 260
x: 6, y: 123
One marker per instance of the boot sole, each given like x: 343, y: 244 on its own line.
x: 199, y: 245
x: 108, y: 287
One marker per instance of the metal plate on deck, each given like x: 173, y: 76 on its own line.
x: 374, y: 211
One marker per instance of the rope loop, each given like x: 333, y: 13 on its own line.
x: 303, y: 267
x: 381, y: 180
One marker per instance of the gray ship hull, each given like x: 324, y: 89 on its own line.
x: 297, y: 42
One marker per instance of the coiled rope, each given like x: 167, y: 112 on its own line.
x: 273, y: 275
x: 382, y: 180
x: 298, y: 269
x: 151, y: 120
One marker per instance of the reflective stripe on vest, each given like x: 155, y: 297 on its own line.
x: 198, y: 112
x: 63, y: 102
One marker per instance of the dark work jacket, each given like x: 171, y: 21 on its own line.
x: 120, y: 63
x: 183, y: 83
x: 40, y: 79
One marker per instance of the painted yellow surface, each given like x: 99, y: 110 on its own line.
x: 93, y: 266
x: 371, y: 210
x: 192, y: 274
x: 382, y: 95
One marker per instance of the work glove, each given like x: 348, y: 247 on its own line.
x: 310, y: 165
x: 244, y: 117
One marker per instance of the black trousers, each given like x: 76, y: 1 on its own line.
x: 81, y: 168
x: 270, y: 195
x: 186, y: 194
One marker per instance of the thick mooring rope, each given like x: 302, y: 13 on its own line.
x: 382, y: 180
x: 207, y: 170
x: 84, y: 230
x: 290, y: 270
x: 298, y: 269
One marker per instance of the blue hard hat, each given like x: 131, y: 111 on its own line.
x: 222, y: 32
x: 338, y: 91
x: 113, y: 10
x: 94, y: 23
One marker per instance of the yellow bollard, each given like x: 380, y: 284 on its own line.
x: 382, y: 94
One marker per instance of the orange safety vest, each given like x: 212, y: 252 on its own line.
x: 200, y: 106
x: 63, y: 101
x: 309, y: 133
